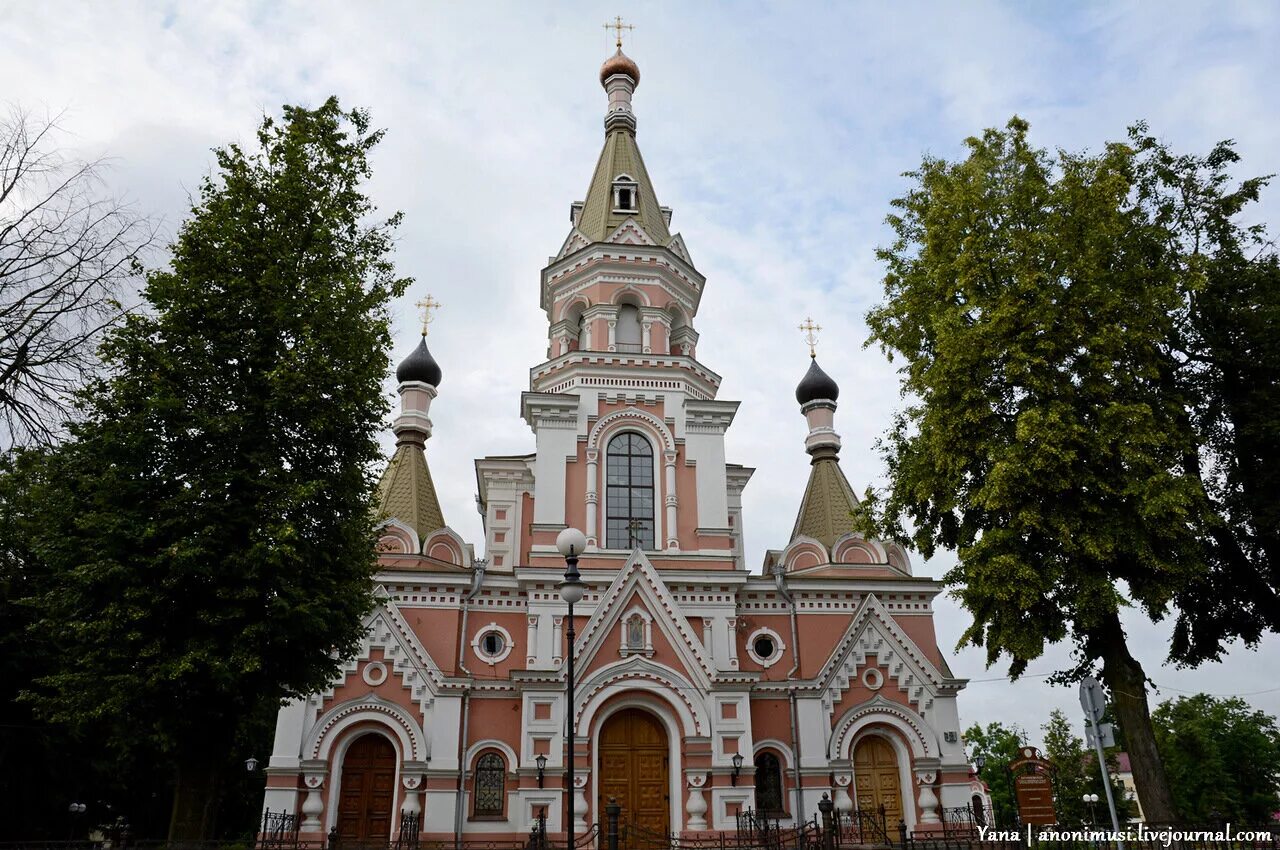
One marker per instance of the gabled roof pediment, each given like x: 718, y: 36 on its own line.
x: 386, y: 629
x: 638, y: 584
x: 678, y: 248
x: 872, y: 631
x: 575, y: 241
x: 629, y: 233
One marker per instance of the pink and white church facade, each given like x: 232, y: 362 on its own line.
x: 703, y: 688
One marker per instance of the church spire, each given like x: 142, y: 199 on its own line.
x: 827, y: 509
x: 406, y: 491
x: 620, y: 188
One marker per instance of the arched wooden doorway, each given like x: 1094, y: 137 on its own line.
x: 875, y: 769
x: 366, y: 796
x: 633, y: 756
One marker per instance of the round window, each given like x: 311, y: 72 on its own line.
x: 764, y: 646
x: 492, y: 644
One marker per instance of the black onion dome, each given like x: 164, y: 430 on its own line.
x: 816, y: 384
x: 420, y: 366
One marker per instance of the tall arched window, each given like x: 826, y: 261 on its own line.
x: 629, y: 493
x: 768, y: 784
x: 490, y: 786
x: 628, y: 334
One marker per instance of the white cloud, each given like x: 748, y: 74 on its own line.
x: 778, y: 134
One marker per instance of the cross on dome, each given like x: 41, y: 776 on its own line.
x: 618, y: 26
x: 427, y: 305
x: 810, y: 331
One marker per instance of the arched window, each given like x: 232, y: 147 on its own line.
x: 629, y: 493
x: 635, y: 632
x: 490, y: 786
x: 628, y: 335
x: 768, y: 784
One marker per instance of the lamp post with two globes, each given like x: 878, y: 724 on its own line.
x: 570, y: 543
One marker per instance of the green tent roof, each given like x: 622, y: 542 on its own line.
x: 621, y: 155
x: 827, y: 510
x: 406, y: 492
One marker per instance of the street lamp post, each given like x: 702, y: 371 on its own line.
x: 570, y: 542
x: 1089, y: 800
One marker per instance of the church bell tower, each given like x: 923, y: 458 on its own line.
x: 630, y: 434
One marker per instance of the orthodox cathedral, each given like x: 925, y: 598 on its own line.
x: 703, y: 689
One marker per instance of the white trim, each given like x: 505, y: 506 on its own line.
x: 328, y: 728
x: 507, y: 644
x: 625, y: 648
x: 910, y: 725
x: 779, y: 648
x: 374, y: 673
x: 774, y: 744
x: 508, y: 754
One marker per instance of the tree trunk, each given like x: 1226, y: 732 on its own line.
x: 1127, y: 684
x: 195, y: 798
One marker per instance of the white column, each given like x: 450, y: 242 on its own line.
x: 531, y: 641
x: 695, y: 804
x: 411, y: 806
x: 733, y: 643
x: 580, y: 804
x: 314, y: 804
x: 584, y: 338
x: 927, y: 799
x: 613, y: 334
x: 646, y: 340
x: 593, y: 459
x: 843, y: 802
x: 673, y: 534
x: 557, y: 640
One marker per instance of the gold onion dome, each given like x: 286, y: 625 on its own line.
x: 620, y: 63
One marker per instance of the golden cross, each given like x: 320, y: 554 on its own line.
x: 427, y: 305
x: 618, y: 26
x: 810, y: 331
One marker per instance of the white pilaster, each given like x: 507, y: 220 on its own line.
x: 673, y: 532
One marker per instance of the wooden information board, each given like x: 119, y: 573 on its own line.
x: 1033, y: 786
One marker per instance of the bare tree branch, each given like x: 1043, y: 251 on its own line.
x: 66, y: 251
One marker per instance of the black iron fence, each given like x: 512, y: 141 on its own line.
x: 828, y: 830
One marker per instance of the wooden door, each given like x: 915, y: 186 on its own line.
x: 875, y: 769
x: 367, y: 794
x: 633, y: 769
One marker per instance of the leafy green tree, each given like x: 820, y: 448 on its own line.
x: 1035, y: 299
x: 208, y: 530
x: 1075, y: 773
x: 1223, y: 758
x: 1070, y: 761
x: 997, y: 745
x: 1224, y: 357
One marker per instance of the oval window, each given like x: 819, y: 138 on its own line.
x: 764, y: 646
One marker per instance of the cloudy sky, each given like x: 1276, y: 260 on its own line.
x: 777, y: 132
